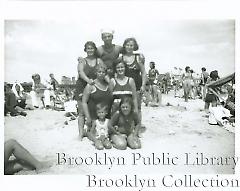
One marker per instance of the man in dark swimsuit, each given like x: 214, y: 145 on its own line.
x: 108, y: 52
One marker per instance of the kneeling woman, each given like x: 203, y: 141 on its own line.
x: 124, y: 126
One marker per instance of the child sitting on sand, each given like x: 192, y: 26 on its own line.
x: 99, y: 131
x: 124, y: 126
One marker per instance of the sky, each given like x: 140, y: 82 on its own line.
x: 44, y: 46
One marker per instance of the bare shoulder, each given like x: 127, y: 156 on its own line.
x: 140, y: 58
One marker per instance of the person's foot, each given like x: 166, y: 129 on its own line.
x: 14, y: 114
x: 23, y: 113
x: 47, y: 107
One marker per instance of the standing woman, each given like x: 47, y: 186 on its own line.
x: 95, y: 93
x: 86, y: 75
x: 187, y: 82
x: 135, y: 68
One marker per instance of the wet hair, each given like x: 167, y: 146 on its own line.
x: 128, y: 40
x: 203, y: 69
x: 128, y: 100
x: 214, y: 75
x: 90, y: 43
x: 102, y: 106
x: 186, y: 69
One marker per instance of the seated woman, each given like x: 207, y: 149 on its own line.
x: 122, y: 86
x: 20, y: 96
x: 94, y: 94
x: 23, y: 159
x: 10, y: 102
x: 124, y: 126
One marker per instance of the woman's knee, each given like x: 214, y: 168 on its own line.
x: 11, y: 142
x: 134, y: 142
x: 119, y: 142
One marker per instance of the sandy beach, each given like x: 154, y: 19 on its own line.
x: 172, y: 131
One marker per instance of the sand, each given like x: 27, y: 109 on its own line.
x: 171, y: 131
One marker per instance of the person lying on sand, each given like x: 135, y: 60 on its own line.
x: 23, y: 159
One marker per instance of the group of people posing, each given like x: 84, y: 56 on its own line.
x: 111, y: 80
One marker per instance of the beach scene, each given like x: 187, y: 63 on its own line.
x: 99, y: 100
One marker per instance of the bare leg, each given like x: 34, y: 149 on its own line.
x: 81, y: 120
x: 13, y: 147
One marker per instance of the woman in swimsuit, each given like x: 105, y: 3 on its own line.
x: 86, y: 75
x: 135, y: 68
x: 95, y: 93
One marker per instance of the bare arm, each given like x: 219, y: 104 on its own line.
x: 92, y: 133
x: 111, y: 85
x: 85, y: 98
x: 111, y: 124
x: 81, y: 73
x: 134, y: 94
x: 141, y: 61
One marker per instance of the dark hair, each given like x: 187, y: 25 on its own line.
x: 214, y: 75
x: 128, y: 40
x: 186, y: 69
x: 129, y: 100
x: 203, y: 69
x: 90, y: 43
x: 36, y: 77
x: 152, y: 64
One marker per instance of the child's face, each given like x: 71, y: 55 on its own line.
x: 126, y: 108
x: 101, y: 114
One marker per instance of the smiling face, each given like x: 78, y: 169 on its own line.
x: 107, y: 38
x: 129, y: 46
x: 90, y: 50
x: 126, y: 108
x: 120, y: 68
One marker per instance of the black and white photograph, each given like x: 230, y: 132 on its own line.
x: 99, y: 97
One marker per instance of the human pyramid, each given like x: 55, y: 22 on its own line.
x: 109, y: 88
